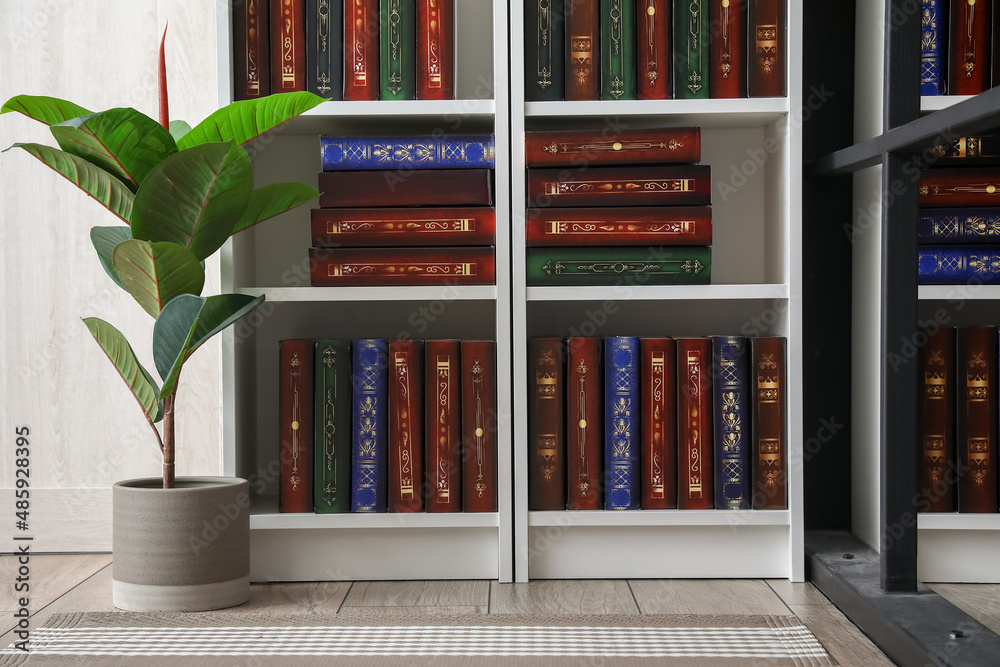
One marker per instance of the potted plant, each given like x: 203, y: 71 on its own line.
x: 179, y: 193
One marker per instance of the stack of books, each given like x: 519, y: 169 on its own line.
x: 959, y: 47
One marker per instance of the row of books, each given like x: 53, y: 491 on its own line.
x: 376, y: 49
x: 654, y: 49
x: 625, y: 423
x: 376, y: 425
x: 959, y: 47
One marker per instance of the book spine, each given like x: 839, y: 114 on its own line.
x: 419, y: 187
x: 584, y: 428
x: 727, y: 48
x: 959, y: 225
x: 324, y: 48
x: 937, y: 422
x: 694, y: 424
x: 583, y: 50
x: 332, y: 435
x: 406, y: 425
x: 618, y: 66
x: 653, y: 50
x: 369, y: 437
x: 361, y: 50
x: 933, y: 39
x: 946, y: 188
x: 546, y: 437
x: 732, y: 426
x: 684, y: 265
x: 544, y: 49
x: 691, y: 61
x: 295, y: 425
x: 416, y: 152
x: 658, y: 373
x: 397, y: 76
x: 576, y: 148
x: 647, y: 226
x: 770, y: 447
x: 981, y: 150
x: 443, y: 420
x: 969, y: 47
x: 435, y: 62
x: 976, y: 418
x: 479, y: 426
x: 251, y: 50
x: 948, y: 265
x: 622, y: 486
x: 288, y: 47
x: 767, y: 55
x: 383, y: 227
x: 341, y: 267
x: 673, y: 185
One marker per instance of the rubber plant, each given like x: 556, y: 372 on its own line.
x: 179, y: 193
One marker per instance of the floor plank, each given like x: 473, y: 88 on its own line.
x: 563, y: 596
x: 842, y: 640
x: 418, y: 594
x: 980, y: 601
x: 706, y: 596
x: 414, y: 614
x: 796, y: 593
x: 324, y: 598
x: 49, y: 576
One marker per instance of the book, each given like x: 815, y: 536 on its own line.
x: 937, y: 422
x: 435, y: 44
x: 546, y: 435
x: 727, y: 48
x: 691, y: 61
x: 406, y: 425
x: 976, y: 418
x: 630, y: 225
x: 670, y: 185
x: 341, y: 267
x: 658, y: 409
x: 953, y: 187
x: 332, y: 434
x: 618, y: 71
x: 933, y: 47
x: 584, y: 148
x: 361, y: 31
x: 544, y: 49
x: 288, y: 46
x: 295, y: 425
x: 584, y: 423
x: 957, y: 264
x: 767, y: 48
x: 443, y: 424
x: 399, y: 187
x: 632, y: 265
x: 981, y: 150
x: 768, y: 427
x: 403, y: 226
x: 397, y: 73
x: 969, y: 68
x: 959, y: 225
x: 731, y: 408
x: 251, y: 50
x: 695, y: 477
x: 369, y: 432
x: 479, y: 425
x: 411, y: 152
x: 653, y: 47
x: 622, y: 486
x: 325, y: 48
x: 583, y: 50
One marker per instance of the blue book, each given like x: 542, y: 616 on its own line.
x: 369, y: 426
x: 621, y: 423
x: 731, y: 408
x: 952, y: 265
x: 933, y: 42
x: 416, y: 152
x: 944, y: 226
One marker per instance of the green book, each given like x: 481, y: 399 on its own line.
x: 618, y: 50
x: 332, y: 435
x: 663, y: 265
x: 691, y: 35
x: 397, y: 75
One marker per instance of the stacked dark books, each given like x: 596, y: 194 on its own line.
x: 414, y: 210
x: 959, y: 47
x: 625, y: 423
x: 377, y: 425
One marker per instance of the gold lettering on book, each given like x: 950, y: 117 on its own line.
x: 979, y: 460
x: 287, y: 46
x: 323, y: 46
x: 395, y: 66
x: 632, y: 186
x: 767, y: 47
x: 726, y: 61
x: 694, y: 417
x: 443, y: 443
x: 583, y: 478
x: 658, y: 396
x: 556, y: 148
x: 651, y: 33
x: 296, y: 375
x: 329, y: 471
x: 360, y: 68
x: 253, y: 49
x: 404, y: 424
x: 480, y: 431
x: 969, y: 66
x: 434, y: 45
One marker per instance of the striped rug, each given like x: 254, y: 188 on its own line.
x: 223, y: 640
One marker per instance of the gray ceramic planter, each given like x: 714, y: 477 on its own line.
x: 181, y: 549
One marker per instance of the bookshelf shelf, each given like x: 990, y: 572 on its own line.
x: 954, y: 293
x: 932, y: 103
x: 704, y: 518
x: 346, y: 294
x: 658, y: 293
x: 705, y: 113
x: 956, y: 521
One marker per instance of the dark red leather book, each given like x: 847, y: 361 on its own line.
x: 630, y: 225
x: 341, y: 267
x: 653, y: 50
x: 976, y: 418
x: 583, y: 50
x: 767, y: 55
x: 546, y: 438
x: 580, y: 148
x: 361, y: 30
x: 295, y: 424
x: 658, y: 375
x: 427, y: 187
x: 969, y: 47
x: 727, y: 48
x: 403, y: 226
x: 937, y: 422
x: 947, y: 188
x: 584, y: 423
x: 695, y: 473
x: 406, y: 425
x: 479, y: 425
x: 443, y: 425
x: 768, y: 428
x: 678, y: 185
x: 435, y: 49
x: 251, y: 50
x: 288, y: 46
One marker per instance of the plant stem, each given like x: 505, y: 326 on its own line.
x: 168, y: 441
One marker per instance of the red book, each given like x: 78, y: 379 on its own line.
x: 403, y: 226
x: 443, y: 420
x: 768, y: 428
x: 767, y: 54
x: 251, y: 50
x: 727, y: 48
x: 695, y: 478
x: 653, y: 49
x: 341, y: 267
x: 361, y: 31
x: 947, y: 188
x: 546, y: 439
x: 295, y: 424
x: 584, y: 423
x: 976, y: 418
x: 969, y: 47
x: 426, y: 187
x: 631, y: 225
x: 288, y: 46
x: 658, y: 375
x: 435, y: 49
x: 406, y: 425
x: 937, y: 422
x: 479, y: 425
x: 583, y: 50
x: 680, y: 185
x: 580, y: 148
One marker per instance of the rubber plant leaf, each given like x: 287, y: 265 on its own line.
x: 139, y: 381
x: 155, y: 273
x: 246, y: 120
x: 178, y: 128
x: 275, y: 199
x: 105, y: 239
x: 47, y: 110
x: 194, y: 198
x: 186, y: 323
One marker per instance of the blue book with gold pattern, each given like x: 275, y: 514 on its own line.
x: 947, y: 226
x: 951, y: 265
x: 369, y: 426
x: 622, y: 426
x: 731, y: 408
x: 454, y: 151
x: 933, y: 42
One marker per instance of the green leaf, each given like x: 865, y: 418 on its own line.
x: 186, y: 323
x: 139, y: 381
x: 178, y: 128
x: 99, y: 184
x: 47, y: 110
x: 275, y: 199
x: 155, y: 273
x: 121, y: 141
x: 105, y: 239
x: 194, y: 198
x: 246, y: 120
